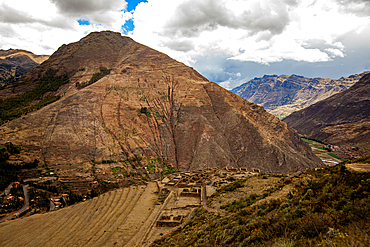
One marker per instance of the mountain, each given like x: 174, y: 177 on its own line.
x: 13, y: 63
x: 282, y: 95
x: 342, y: 119
x: 109, y: 99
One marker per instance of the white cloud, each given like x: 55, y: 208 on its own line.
x: 225, y: 84
x: 238, y: 39
x: 265, y: 32
x: 335, y: 52
x: 358, y: 7
x: 42, y: 26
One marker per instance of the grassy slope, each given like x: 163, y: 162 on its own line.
x: 332, y: 209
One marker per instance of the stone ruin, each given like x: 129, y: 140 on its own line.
x: 188, y: 192
x: 192, y: 192
x: 164, y: 192
x: 170, y: 220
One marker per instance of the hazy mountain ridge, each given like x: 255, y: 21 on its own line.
x: 149, y: 105
x: 15, y: 62
x: 282, y: 95
x: 342, y: 119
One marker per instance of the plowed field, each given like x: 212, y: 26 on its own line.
x: 119, y: 218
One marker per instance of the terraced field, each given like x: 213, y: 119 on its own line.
x: 121, y: 217
x: 133, y: 216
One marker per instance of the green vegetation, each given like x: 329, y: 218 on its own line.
x: 307, y: 140
x: 364, y: 160
x: 333, y: 209
x: 168, y: 170
x: 316, y: 143
x: 96, y: 77
x: 232, y: 186
x: 9, y: 172
x: 73, y: 198
x: 319, y: 146
x: 325, y: 149
x: 39, y: 199
x: 8, y: 205
x: 116, y: 170
x: 337, y: 157
x: 241, y: 203
x: 108, y: 161
x: 35, y: 99
x: 144, y: 110
x: 47, y: 186
x: 270, y: 174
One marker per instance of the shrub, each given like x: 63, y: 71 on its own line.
x: 95, y: 77
x: 313, y: 224
x: 236, y: 205
x: 331, y: 210
x: 232, y: 186
x: 144, y: 110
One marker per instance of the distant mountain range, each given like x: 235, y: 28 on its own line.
x: 13, y: 63
x: 342, y: 119
x: 282, y: 95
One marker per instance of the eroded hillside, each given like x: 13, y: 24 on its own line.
x: 131, y: 105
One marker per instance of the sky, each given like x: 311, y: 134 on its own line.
x: 227, y: 41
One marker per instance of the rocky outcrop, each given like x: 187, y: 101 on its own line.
x: 150, y: 106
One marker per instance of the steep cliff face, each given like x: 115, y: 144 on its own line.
x: 149, y: 105
x: 282, y: 95
x: 342, y: 119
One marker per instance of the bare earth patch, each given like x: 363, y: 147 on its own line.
x: 359, y: 167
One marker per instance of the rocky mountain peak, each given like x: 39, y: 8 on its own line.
x: 284, y: 94
x: 125, y: 101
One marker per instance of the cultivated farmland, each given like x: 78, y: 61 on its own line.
x: 133, y: 216
x: 117, y: 217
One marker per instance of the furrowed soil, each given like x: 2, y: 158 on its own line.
x: 141, y: 214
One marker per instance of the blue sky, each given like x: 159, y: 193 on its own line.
x: 228, y: 41
x: 129, y: 25
x: 131, y: 4
x: 83, y: 22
